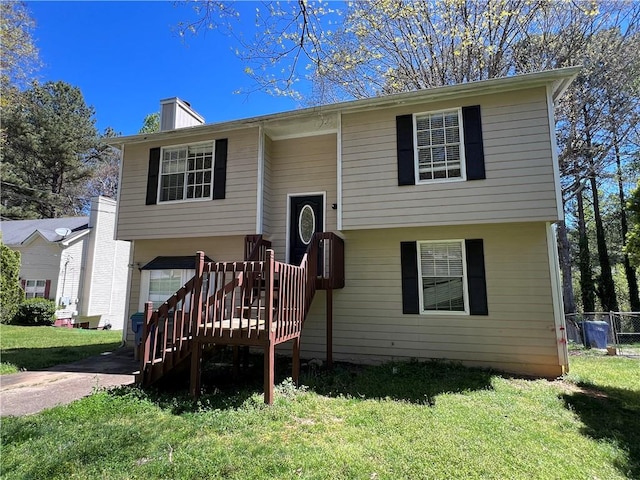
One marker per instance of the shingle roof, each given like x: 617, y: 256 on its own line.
x: 164, y: 263
x: 15, y: 232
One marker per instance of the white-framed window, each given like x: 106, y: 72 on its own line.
x: 158, y: 285
x: 442, y: 276
x: 35, y: 288
x: 439, y: 146
x: 186, y: 172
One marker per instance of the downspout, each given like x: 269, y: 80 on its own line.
x: 556, y: 295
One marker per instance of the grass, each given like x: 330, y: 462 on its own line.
x: 33, y: 348
x: 405, y: 420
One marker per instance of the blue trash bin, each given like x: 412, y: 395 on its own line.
x: 137, y: 321
x: 595, y: 334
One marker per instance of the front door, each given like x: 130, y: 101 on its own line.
x: 306, y: 216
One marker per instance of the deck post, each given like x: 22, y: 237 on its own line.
x: 269, y: 349
x: 145, y: 345
x: 269, y: 372
x: 296, y: 360
x: 236, y: 361
x: 330, y: 328
x: 196, y: 374
x: 197, y: 295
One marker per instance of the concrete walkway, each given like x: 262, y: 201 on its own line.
x: 25, y: 393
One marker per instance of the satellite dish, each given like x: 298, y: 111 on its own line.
x: 63, y: 232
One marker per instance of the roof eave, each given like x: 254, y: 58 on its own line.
x: 559, y: 79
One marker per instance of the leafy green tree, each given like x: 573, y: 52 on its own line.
x: 11, y: 295
x: 18, y: 53
x: 103, y: 163
x: 151, y: 123
x: 48, y: 136
x: 363, y: 49
x: 632, y: 248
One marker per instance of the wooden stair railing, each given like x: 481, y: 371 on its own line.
x: 167, y: 333
x: 258, y: 302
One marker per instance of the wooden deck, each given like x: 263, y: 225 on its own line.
x: 258, y: 302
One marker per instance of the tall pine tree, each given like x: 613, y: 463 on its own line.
x: 48, y: 135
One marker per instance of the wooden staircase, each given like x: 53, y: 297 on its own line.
x: 259, y: 302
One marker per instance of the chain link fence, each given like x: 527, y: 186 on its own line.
x: 618, y: 332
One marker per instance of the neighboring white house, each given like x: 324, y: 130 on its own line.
x: 76, y: 262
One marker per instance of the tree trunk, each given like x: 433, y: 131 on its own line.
x: 584, y: 260
x: 564, y: 254
x: 607, y: 288
x: 632, y: 281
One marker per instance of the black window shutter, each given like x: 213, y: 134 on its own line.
x: 473, y: 146
x: 152, y: 176
x: 409, y: 261
x: 476, y: 279
x: 220, y: 169
x: 404, y: 141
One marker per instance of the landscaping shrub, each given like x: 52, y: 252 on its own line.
x: 11, y: 295
x: 35, y: 312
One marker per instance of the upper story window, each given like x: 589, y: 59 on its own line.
x: 439, y: 153
x: 440, y: 146
x: 186, y: 172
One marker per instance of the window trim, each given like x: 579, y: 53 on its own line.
x: 186, y: 145
x: 465, y: 281
x: 463, y: 163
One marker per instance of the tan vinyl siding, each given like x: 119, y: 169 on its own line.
x: 518, y: 334
x: 519, y: 185
x: 233, y: 215
x: 300, y: 166
x: 220, y: 249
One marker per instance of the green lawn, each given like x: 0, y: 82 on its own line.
x: 32, y: 348
x: 405, y: 420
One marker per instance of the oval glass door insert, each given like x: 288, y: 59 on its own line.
x: 306, y: 224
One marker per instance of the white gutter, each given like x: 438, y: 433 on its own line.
x: 556, y: 295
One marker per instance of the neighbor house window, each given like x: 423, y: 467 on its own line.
x: 35, y: 288
x: 186, y: 172
x: 441, y: 274
x: 438, y: 146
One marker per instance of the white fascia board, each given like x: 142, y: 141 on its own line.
x: 558, y: 78
x: 71, y: 240
x: 554, y: 154
x: 115, y: 230
x: 34, y: 235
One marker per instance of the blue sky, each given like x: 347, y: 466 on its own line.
x: 126, y: 56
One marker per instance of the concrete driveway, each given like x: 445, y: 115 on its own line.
x: 25, y: 393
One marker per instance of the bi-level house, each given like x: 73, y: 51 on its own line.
x: 416, y: 225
